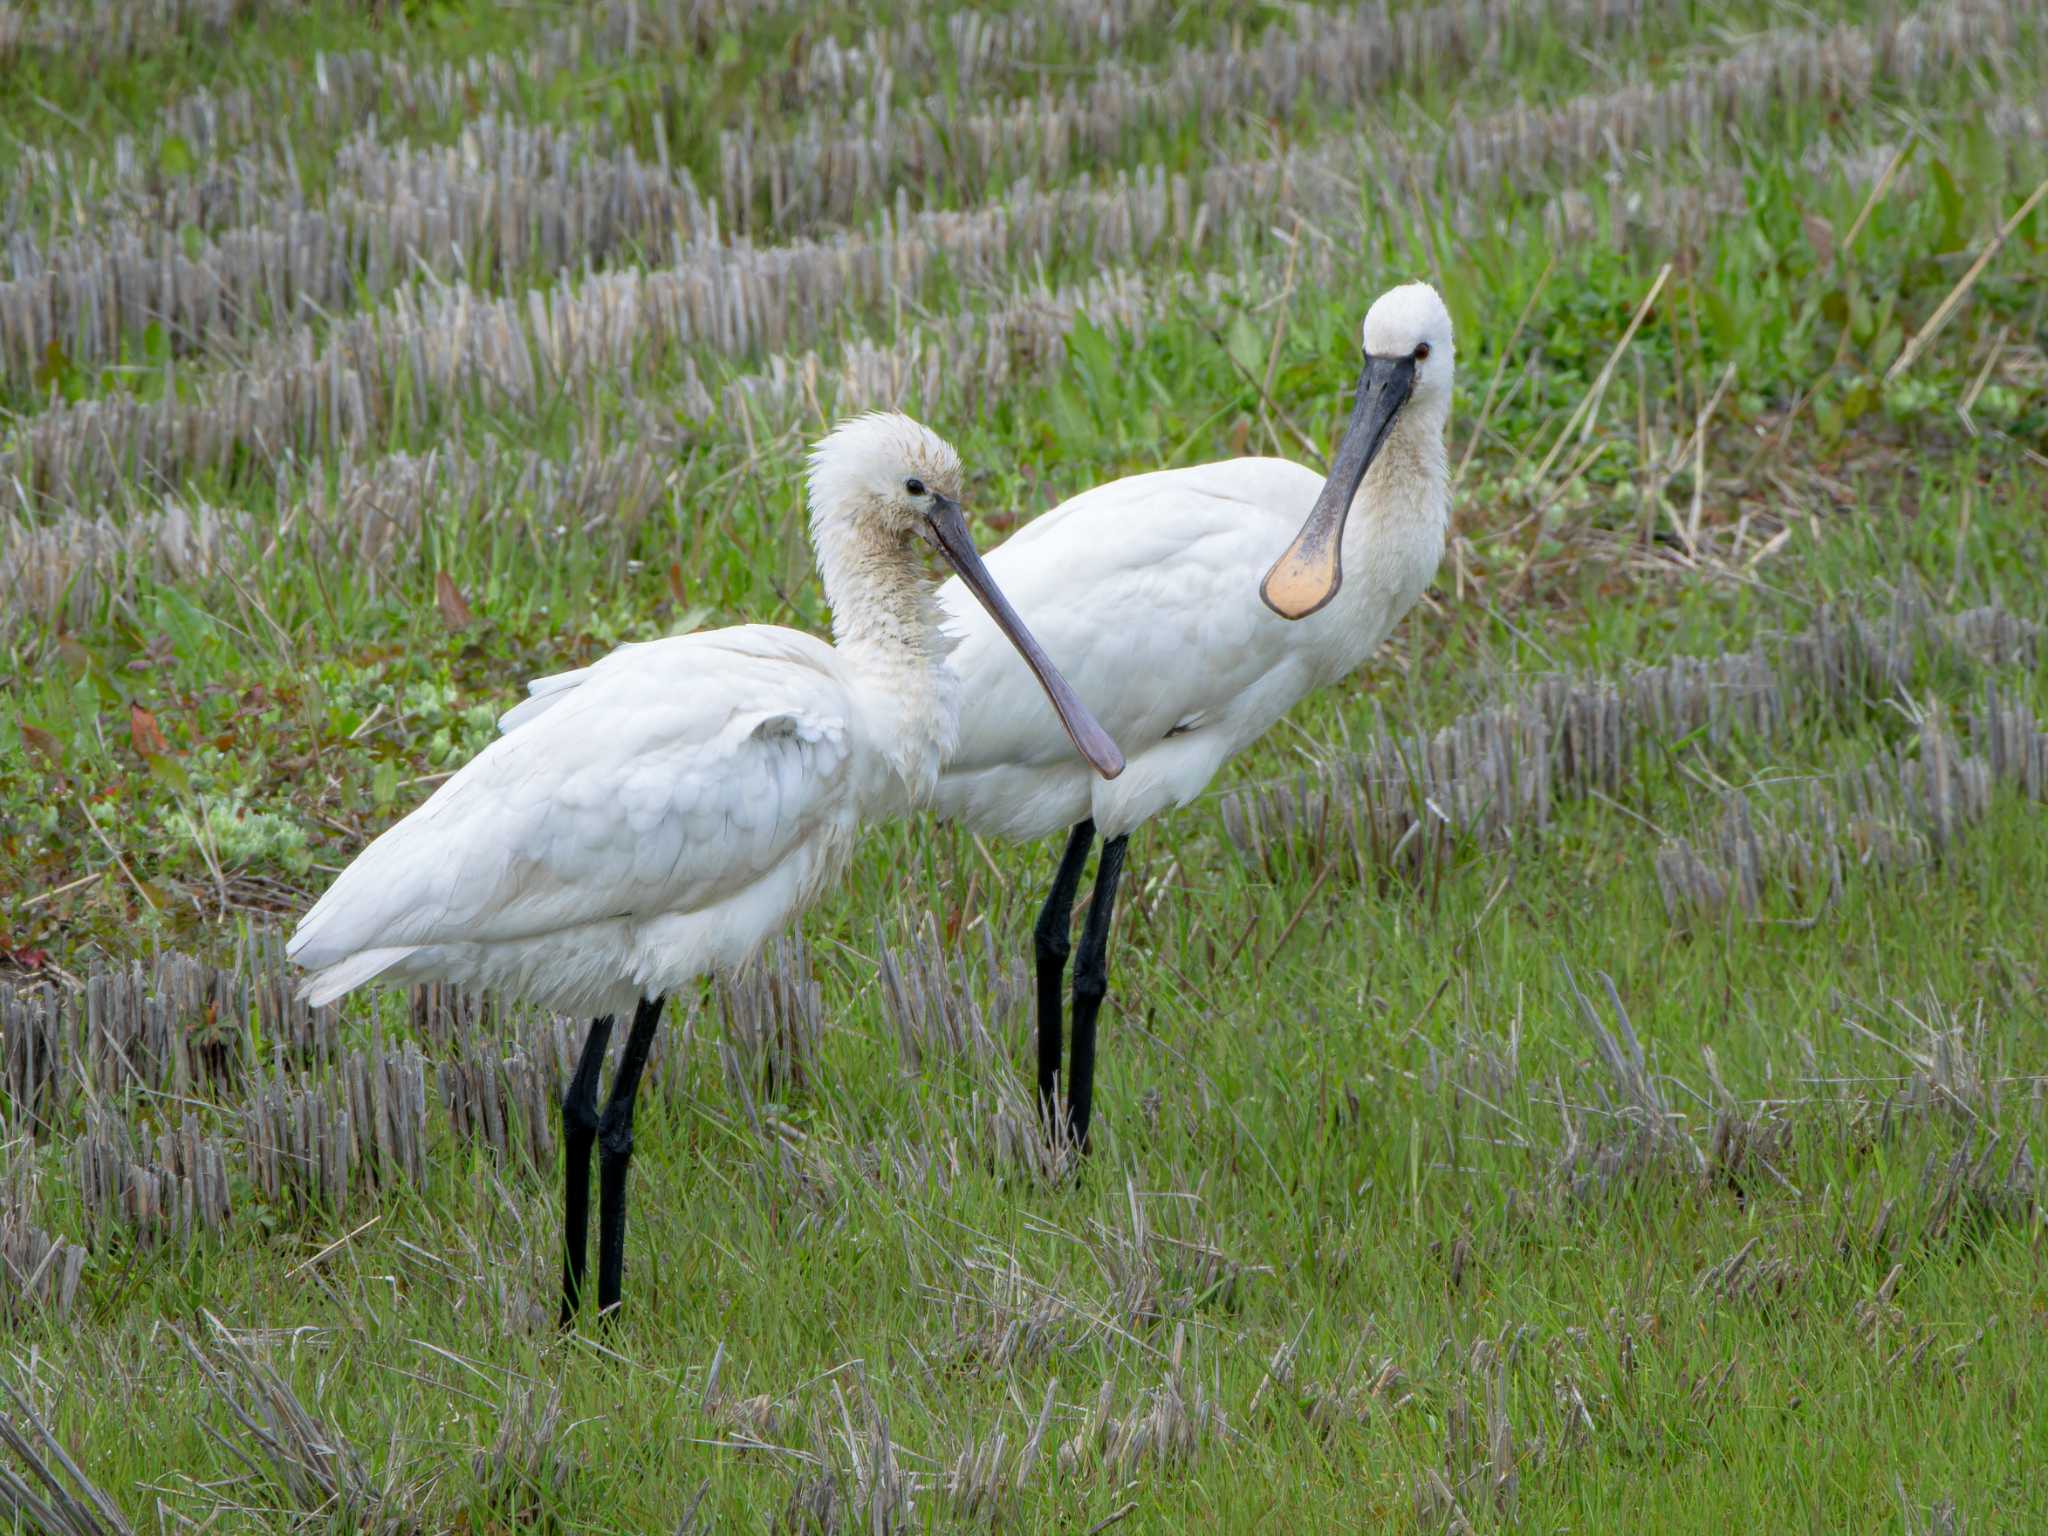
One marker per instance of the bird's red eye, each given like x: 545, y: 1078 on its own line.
x: 1421, y: 351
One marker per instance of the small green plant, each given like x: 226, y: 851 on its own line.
x: 237, y: 837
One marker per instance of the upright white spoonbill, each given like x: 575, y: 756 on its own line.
x: 666, y: 811
x: 1147, y: 591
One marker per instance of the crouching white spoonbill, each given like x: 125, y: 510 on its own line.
x: 666, y: 811
x: 1144, y: 588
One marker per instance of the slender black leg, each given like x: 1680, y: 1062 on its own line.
x: 1055, y: 919
x: 615, y: 1147
x: 579, y: 1131
x: 1091, y: 985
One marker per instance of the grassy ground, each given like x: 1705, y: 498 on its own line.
x: 1621, y: 1113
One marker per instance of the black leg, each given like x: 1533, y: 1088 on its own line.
x: 579, y: 1131
x: 615, y: 1142
x: 1091, y: 985
x: 1055, y: 920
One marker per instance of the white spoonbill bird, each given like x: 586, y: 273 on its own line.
x: 1146, y: 589
x: 663, y: 813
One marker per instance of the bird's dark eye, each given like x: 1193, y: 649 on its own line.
x: 915, y: 487
x: 1421, y: 351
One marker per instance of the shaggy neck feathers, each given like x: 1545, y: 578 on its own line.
x: 886, y: 626
x: 1393, y: 539
x: 1408, y: 481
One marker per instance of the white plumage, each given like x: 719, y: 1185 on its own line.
x: 1147, y: 593
x: 1164, y: 635
x: 647, y: 819
x: 665, y: 812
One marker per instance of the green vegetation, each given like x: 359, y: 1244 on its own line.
x: 1648, y: 1139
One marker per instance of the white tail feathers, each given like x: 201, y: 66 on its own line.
x: 324, y: 986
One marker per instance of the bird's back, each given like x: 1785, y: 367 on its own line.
x: 667, y: 779
x: 1144, y: 592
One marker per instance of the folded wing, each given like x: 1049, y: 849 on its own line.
x: 1139, y: 592
x: 665, y: 778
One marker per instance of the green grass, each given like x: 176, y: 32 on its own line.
x: 1375, y: 1235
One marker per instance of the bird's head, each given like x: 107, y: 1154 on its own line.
x: 885, y: 474
x: 878, y: 479
x: 1407, y: 376
x: 1409, y: 324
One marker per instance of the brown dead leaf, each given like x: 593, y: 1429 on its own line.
x: 42, y: 743
x: 1821, y: 236
x: 23, y: 956
x: 76, y: 658
x: 675, y: 585
x: 143, y: 732
x: 454, y: 611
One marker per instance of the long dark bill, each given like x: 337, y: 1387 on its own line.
x: 1309, y: 574
x: 949, y: 533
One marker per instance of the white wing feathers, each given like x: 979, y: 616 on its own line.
x: 1165, y: 561
x: 664, y: 778
x: 543, y: 693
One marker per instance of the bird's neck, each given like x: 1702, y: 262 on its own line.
x: 886, y: 627
x: 1394, y: 537
x: 1409, y: 478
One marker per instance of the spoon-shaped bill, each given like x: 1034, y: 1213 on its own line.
x: 1308, y: 575
x: 949, y: 533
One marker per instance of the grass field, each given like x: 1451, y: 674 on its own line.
x: 1587, y: 1072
